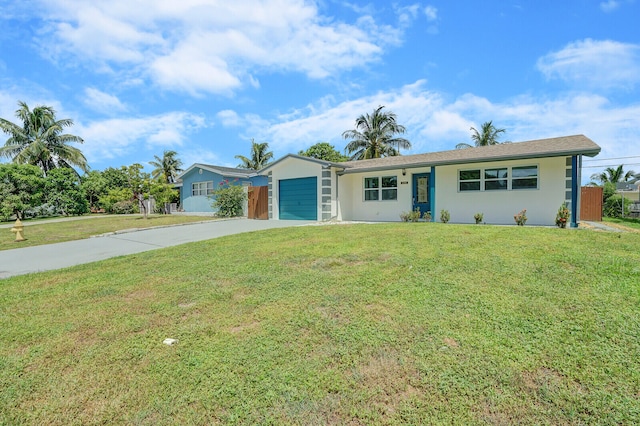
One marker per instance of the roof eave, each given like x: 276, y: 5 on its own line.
x: 589, y: 153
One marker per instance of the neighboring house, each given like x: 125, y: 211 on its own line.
x: 198, y: 182
x: 498, y: 181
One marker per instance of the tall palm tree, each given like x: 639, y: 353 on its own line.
x: 260, y: 157
x: 374, y: 136
x: 39, y: 141
x: 488, y: 135
x: 167, y: 168
x: 613, y: 175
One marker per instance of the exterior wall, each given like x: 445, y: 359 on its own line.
x: 354, y: 207
x: 294, y: 168
x: 201, y: 203
x: 499, y: 207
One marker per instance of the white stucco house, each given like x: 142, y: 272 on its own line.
x: 498, y: 181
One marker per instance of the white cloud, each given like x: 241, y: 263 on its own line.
x: 102, y: 102
x: 115, y: 137
x: 199, y: 46
x: 431, y: 12
x: 596, y: 64
x: 609, y: 5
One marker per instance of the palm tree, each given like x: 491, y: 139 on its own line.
x: 260, y: 157
x: 374, y: 136
x: 613, y: 175
x: 488, y: 135
x: 39, y: 141
x: 167, y: 168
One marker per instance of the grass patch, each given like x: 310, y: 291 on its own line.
x: 57, y: 232
x: 627, y: 222
x: 351, y: 324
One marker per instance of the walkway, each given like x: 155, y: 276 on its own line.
x: 61, y: 255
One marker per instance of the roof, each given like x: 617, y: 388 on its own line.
x: 223, y: 171
x: 302, y: 157
x: 552, y: 147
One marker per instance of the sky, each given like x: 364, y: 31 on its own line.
x: 204, y: 77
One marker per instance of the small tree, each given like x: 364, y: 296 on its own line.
x: 63, y: 191
x: 324, y: 151
x: 229, y: 199
x: 163, y: 193
x: 21, y: 188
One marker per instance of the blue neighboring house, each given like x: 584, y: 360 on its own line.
x: 198, y: 182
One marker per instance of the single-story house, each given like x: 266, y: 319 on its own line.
x: 498, y: 181
x: 198, y: 182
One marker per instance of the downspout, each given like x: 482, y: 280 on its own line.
x: 576, y: 163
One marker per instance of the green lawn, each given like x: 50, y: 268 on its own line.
x: 628, y: 222
x: 351, y: 324
x: 56, y: 232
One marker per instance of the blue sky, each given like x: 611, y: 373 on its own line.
x: 203, y: 77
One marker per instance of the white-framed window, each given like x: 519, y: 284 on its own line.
x: 524, y: 177
x: 498, y: 178
x: 381, y: 188
x: 202, y: 188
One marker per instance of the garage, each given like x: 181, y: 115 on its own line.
x: 298, y: 198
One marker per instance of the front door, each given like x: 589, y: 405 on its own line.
x: 421, y: 193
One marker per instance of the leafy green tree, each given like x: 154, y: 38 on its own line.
x: 324, y: 151
x: 163, y: 193
x: 167, y: 168
x: 229, y: 199
x: 375, y: 136
x: 260, y: 156
x: 488, y: 135
x: 64, y: 192
x: 139, y: 183
x: 40, y: 141
x: 613, y: 175
x: 116, y: 178
x: 94, y: 185
x: 21, y: 188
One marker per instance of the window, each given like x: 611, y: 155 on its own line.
x: 495, y: 179
x: 469, y: 180
x: 383, y: 188
x: 503, y: 178
x: 524, y: 177
x: 202, y: 188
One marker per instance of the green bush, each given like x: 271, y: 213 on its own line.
x: 124, y: 207
x: 613, y: 206
x: 521, y: 218
x: 229, y: 200
x: 445, y: 216
x: 412, y: 216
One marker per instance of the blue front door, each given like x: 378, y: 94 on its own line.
x: 421, y: 192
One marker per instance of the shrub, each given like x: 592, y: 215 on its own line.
x: 613, y: 206
x: 521, y: 218
x: 414, y: 216
x: 444, y: 216
x: 124, y: 207
x: 478, y: 217
x: 229, y: 199
x: 563, y: 215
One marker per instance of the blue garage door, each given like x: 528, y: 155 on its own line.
x: 299, y: 199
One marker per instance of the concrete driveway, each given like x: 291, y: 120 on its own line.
x: 55, y: 256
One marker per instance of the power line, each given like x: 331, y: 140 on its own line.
x: 610, y: 165
x: 607, y: 159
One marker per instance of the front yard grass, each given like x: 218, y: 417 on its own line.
x: 627, y: 222
x: 353, y: 324
x: 58, y: 232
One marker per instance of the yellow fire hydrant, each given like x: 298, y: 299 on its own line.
x: 18, y: 229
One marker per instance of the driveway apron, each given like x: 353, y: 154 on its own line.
x: 61, y: 255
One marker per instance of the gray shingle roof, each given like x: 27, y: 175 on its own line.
x: 552, y: 147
